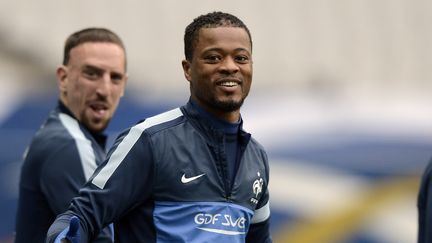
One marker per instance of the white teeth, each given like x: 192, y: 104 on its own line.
x: 230, y: 84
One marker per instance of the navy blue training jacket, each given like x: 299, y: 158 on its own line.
x: 424, y: 205
x: 166, y: 180
x: 61, y: 157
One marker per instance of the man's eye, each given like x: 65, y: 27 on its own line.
x: 212, y: 58
x: 242, y: 59
x: 91, y: 74
x: 116, y: 78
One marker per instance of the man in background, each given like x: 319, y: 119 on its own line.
x: 424, y: 205
x: 70, y: 144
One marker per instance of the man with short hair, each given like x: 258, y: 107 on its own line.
x: 191, y: 174
x: 69, y: 146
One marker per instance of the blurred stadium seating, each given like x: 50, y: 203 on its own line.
x: 341, y: 100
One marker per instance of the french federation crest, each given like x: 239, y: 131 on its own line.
x: 257, y: 185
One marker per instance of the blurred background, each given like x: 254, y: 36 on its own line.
x: 340, y: 100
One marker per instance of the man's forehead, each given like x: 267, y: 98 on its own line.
x: 98, y: 53
x: 97, y: 47
x: 224, y: 34
x: 219, y: 30
x: 222, y: 27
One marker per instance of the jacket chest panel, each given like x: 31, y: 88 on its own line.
x: 190, y: 171
x: 187, y: 171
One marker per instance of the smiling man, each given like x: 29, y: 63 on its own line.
x: 191, y: 174
x: 70, y: 145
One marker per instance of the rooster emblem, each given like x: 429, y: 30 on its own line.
x: 257, y: 186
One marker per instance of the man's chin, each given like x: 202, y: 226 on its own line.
x: 97, y: 126
x: 229, y: 105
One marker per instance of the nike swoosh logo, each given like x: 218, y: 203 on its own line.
x: 185, y: 180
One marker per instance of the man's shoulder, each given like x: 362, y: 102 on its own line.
x: 50, y: 136
x: 256, y: 144
x: 427, y: 173
x: 160, y: 121
x: 50, y: 143
x: 52, y: 131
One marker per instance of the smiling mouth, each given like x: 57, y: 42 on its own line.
x: 229, y: 82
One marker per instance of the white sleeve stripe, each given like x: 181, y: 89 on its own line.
x: 261, y: 214
x: 84, y: 145
x: 128, y: 142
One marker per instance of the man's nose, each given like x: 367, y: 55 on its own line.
x: 229, y: 65
x: 103, y: 88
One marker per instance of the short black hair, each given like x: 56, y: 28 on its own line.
x: 210, y: 20
x: 90, y: 35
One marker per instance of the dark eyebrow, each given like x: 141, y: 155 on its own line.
x: 213, y: 49
x: 216, y: 49
x: 93, y: 68
x: 100, y: 70
x: 243, y: 49
x: 118, y: 74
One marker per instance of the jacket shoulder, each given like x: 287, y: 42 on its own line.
x: 160, y: 122
x: 49, y: 139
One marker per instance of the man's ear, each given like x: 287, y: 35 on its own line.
x: 62, y: 78
x: 124, y: 84
x: 187, y: 69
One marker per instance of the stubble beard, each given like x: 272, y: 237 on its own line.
x: 226, y: 106
x: 95, y: 126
